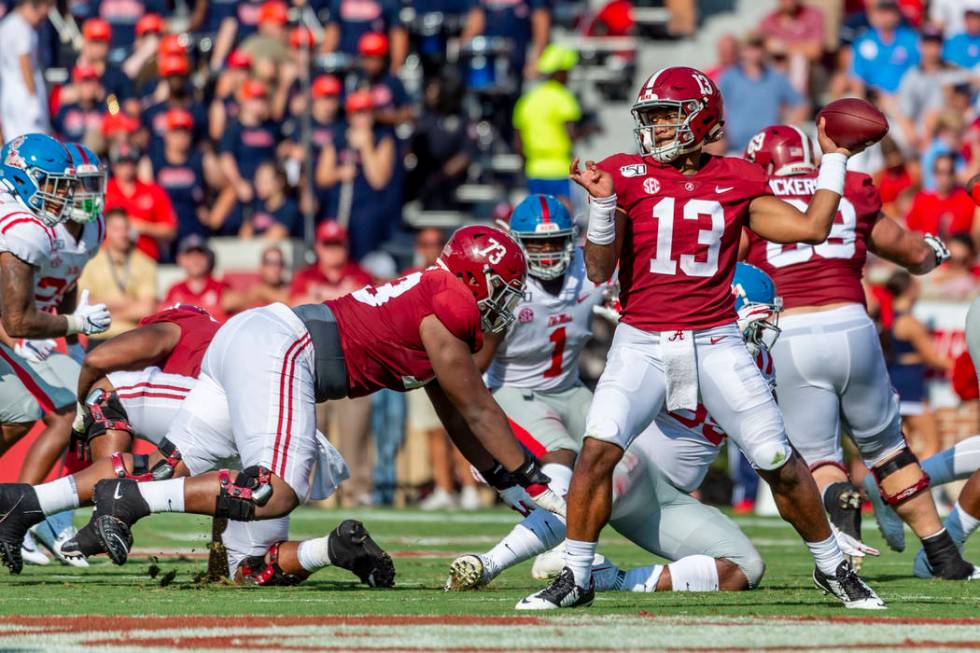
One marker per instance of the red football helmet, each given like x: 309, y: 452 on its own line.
x: 782, y: 150
x: 698, y: 106
x: 492, y: 266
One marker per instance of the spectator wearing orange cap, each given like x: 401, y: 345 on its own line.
x: 325, y: 91
x: 94, y: 53
x: 251, y: 139
x: 274, y: 215
x: 392, y: 105
x: 333, y: 274
x: 147, y: 204
x: 349, y: 21
x: 179, y: 169
x: 23, y: 97
x: 174, y: 92
x: 224, y: 104
x: 76, y: 119
x: 359, y: 166
x: 271, y: 41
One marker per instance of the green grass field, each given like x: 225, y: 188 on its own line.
x: 417, y: 615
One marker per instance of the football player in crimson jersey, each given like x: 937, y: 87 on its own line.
x: 829, y: 364
x: 267, y: 368
x: 671, y: 217
x: 140, y: 379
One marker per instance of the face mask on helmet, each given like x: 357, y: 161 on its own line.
x: 54, y: 195
x: 89, y: 194
x: 673, y: 118
x: 759, y: 323
x: 497, y: 309
x: 548, y: 256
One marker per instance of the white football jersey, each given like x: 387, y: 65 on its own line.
x: 683, y: 444
x: 61, y: 272
x: 542, y: 347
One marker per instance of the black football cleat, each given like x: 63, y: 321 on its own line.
x: 86, y: 542
x: 351, y: 548
x: 562, y: 593
x: 849, y: 588
x: 119, y: 505
x: 19, y: 510
x: 945, y: 560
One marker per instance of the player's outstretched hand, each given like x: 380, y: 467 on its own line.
x: 827, y: 145
x: 598, y: 183
x: 517, y: 499
x: 88, y: 318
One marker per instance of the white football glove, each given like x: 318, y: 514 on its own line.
x: 517, y: 499
x: 547, y: 498
x: 34, y: 351
x: 88, y: 318
x: 81, y: 411
x: 77, y: 352
x: 852, y: 547
x: 938, y: 246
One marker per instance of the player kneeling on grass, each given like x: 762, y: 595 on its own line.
x: 133, y: 386
x: 267, y: 367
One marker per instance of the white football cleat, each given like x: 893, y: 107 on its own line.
x: 468, y: 572
x: 30, y: 553
x: 54, y: 531
x: 849, y: 588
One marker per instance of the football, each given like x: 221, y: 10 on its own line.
x: 852, y: 122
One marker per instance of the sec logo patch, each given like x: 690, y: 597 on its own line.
x: 651, y: 186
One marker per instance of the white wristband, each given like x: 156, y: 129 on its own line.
x: 74, y: 324
x: 602, y: 220
x: 833, y: 168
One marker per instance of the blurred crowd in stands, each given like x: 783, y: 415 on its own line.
x: 323, y: 120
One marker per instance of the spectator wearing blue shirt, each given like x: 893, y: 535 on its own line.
x: 274, y: 215
x: 326, y: 91
x: 231, y: 23
x: 883, y: 54
x: 756, y: 95
x: 224, y: 105
x: 964, y: 49
x: 359, y: 165
x: 352, y: 19
x: 388, y: 96
x: 179, y: 94
x: 948, y: 140
x: 76, y: 119
x: 179, y: 169
x: 527, y: 23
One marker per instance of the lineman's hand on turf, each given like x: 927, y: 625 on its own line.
x: 517, y: 499
x: 852, y: 547
x: 545, y: 498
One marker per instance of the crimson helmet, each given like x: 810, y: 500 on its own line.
x: 698, y: 106
x: 492, y: 266
x: 782, y: 150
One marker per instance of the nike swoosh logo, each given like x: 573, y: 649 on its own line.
x: 715, y: 341
x: 115, y: 494
x: 579, y: 300
x: 723, y: 189
x: 12, y: 509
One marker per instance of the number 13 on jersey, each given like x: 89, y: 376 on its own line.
x: 693, y: 265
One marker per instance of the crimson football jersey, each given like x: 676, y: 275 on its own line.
x: 379, y: 328
x: 197, y: 329
x: 828, y: 273
x: 682, y: 238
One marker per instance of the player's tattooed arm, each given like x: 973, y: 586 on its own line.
x: 19, y: 314
x: 468, y: 396
x: 133, y: 350
x: 67, y: 306
x: 892, y: 242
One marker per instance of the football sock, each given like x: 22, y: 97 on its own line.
x: 313, y: 554
x: 826, y: 554
x: 58, y: 495
x: 643, y: 579
x: 163, y: 496
x: 560, y: 476
x: 960, y: 524
x: 578, y: 557
x: 540, y: 531
x: 697, y: 573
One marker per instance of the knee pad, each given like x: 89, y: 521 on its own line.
x: 255, y: 570
x: 695, y: 573
x: 771, y: 455
x: 105, y: 412
x: 770, y: 450
x: 237, y: 499
x: 161, y: 471
x: 900, y: 478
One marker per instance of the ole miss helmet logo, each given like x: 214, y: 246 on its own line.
x: 525, y: 315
